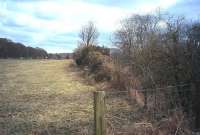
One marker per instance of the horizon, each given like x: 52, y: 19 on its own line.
x: 54, y: 25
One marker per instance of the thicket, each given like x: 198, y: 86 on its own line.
x: 154, y: 51
x: 95, y: 59
x: 158, y: 51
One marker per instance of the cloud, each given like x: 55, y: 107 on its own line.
x: 54, y: 25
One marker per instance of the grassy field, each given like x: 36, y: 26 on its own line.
x: 39, y: 97
x: 51, y: 97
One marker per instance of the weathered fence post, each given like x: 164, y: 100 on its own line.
x: 99, y: 111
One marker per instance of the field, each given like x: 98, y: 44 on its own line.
x: 44, y: 97
x: 52, y: 97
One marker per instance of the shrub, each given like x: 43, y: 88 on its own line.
x: 104, y: 72
x: 81, y: 54
x: 95, y: 59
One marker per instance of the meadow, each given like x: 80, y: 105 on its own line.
x: 44, y: 97
x: 53, y: 97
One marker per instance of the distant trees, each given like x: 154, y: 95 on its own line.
x: 60, y: 56
x: 88, y: 34
x: 9, y: 49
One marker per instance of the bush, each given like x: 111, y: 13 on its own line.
x: 104, y: 72
x: 81, y: 54
x: 95, y: 59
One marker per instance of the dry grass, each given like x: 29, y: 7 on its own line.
x: 52, y: 97
x: 44, y: 97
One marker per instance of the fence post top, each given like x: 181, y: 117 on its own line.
x: 102, y: 92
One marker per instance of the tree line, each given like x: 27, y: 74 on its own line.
x: 10, y: 49
x: 161, y: 50
x: 153, y: 51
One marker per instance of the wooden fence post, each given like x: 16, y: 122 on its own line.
x: 99, y: 111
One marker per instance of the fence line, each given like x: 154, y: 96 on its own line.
x: 169, y: 104
x: 151, y: 89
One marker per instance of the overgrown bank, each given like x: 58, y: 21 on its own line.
x: 153, y: 51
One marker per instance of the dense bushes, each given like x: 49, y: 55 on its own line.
x: 95, y: 59
x: 83, y: 53
x: 162, y: 56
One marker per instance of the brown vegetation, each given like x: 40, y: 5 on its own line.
x: 152, y: 56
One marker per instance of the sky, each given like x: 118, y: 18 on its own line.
x: 54, y: 25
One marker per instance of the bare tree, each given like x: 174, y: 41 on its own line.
x: 88, y: 34
x: 135, y: 33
